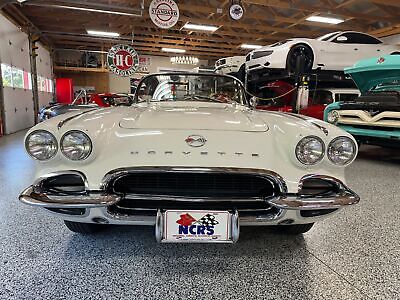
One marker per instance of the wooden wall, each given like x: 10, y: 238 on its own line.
x: 97, y: 79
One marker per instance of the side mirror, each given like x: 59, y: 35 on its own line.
x: 253, y: 102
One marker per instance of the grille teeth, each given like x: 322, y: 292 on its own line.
x: 193, y: 185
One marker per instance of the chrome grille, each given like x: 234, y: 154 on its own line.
x: 194, y: 185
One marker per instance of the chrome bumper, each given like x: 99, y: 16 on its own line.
x: 37, y: 196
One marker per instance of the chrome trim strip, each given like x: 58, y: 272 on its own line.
x: 159, y: 228
x: 63, y: 122
x: 344, y: 197
x: 270, y: 175
x: 36, y: 195
x: 235, y: 228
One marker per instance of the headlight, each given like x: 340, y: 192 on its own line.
x: 341, y: 150
x: 41, y: 145
x: 333, y: 117
x: 76, y: 145
x: 310, y: 150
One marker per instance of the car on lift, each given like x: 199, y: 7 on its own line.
x: 194, y: 159
x: 279, y: 96
x: 374, y: 117
x: 84, y: 101
x: 234, y: 65
x: 333, y: 52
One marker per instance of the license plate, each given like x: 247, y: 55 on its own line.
x: 198, y: 226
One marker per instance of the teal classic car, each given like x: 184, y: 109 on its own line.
x: 374, y: 117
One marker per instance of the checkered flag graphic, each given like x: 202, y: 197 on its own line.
x: 207, y: 220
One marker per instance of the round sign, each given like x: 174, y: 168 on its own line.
x: 164, y: 13
x: 236, y: 12
x: 123, y: 60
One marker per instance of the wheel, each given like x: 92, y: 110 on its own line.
x: 296, y: 52
x: 295, y: 229
x: 85, y: 228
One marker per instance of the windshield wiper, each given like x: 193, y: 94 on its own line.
x: 197, y: 97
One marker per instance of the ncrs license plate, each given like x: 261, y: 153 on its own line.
x: 197, y: 226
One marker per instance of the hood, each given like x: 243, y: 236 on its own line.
x: 195, y: 116
x: 369, y: 72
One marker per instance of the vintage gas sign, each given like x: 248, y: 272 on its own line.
x: 164, y: 13
x: 123, y: 60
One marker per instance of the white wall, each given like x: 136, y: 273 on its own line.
x: 44, y: 69
x: 122, y: 84
x: 14, y: 51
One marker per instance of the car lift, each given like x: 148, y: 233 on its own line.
x: 301, y: 80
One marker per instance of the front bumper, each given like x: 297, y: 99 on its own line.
x: 96, y: 203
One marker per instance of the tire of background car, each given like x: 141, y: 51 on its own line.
x: 395, y: 53
x: 85, y: 228
x: 295, y: 51
x: 241, y: 74
x: 295, y: 229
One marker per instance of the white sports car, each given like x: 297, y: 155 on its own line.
x: 193, y: 159
x: 230, y: 65
x: 333, y: 51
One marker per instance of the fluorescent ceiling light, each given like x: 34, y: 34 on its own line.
x: 325, y: 20
x: 249, y: 46
x: 113, y: 12
x: 103, y: 33
x: 200, y: 27
x: 173, y: 50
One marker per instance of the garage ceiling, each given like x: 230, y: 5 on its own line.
x: 63, y: 24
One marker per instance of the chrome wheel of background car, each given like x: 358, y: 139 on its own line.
x: 300, y: 51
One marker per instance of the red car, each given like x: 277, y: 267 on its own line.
x: 317, y: 101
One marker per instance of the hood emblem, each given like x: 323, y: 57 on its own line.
x: 195, y: 140
x: 381, y: 60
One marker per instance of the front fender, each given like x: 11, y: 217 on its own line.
x: 329, y: 108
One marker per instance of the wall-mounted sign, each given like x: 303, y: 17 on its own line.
x: 122, y: 60
x: 236, y: 11
x: 164, y: 13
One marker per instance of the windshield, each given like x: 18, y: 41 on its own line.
x: 191, y: 87
x: 327, y: 36
x: 388, y: 86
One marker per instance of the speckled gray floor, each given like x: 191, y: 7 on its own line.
x: 355, y: 255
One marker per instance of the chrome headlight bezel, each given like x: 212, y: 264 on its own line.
x: 50, y: 137
x: 302, y: 143
x: 333, y: 117
x: 67, y: 152
x: 331, y: 155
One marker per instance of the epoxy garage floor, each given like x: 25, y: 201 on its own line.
x: 355, y: 255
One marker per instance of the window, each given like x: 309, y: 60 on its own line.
x: 356, y: 38
x: 327, y: 36
x: 321, y: 97
x: 345, y: 97
x: 6, y: 74
x: 17, y: 78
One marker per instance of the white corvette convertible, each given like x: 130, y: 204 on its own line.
x: 193, y: 159
x: 333, y: 51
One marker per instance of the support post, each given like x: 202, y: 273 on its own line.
x: 33, y: 39
x: 2, y: 111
